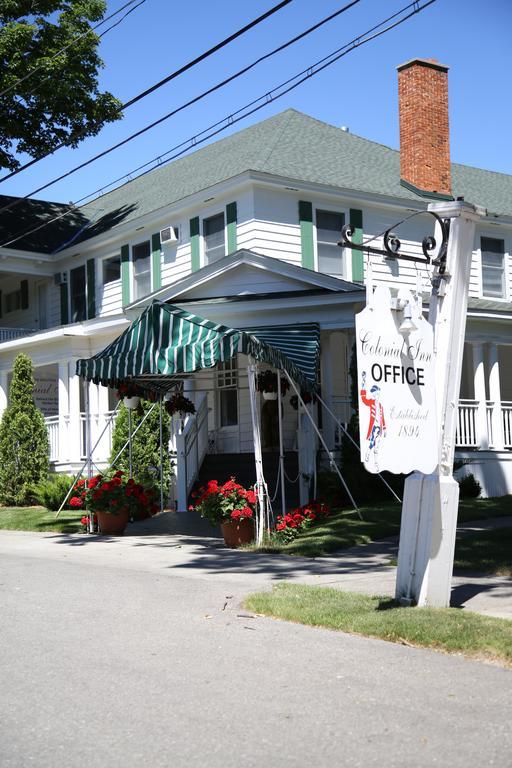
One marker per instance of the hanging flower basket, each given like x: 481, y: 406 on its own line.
x: 130, y: 394
x: 179, y: 404
x: 307, y: 398
x: 131, y: 402
x: 267, y: 383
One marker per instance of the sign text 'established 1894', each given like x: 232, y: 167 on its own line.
x: 397, y: 411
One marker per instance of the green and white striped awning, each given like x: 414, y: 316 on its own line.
x: 166, y: 342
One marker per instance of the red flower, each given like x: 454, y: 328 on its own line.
x: 85, y: 521
x: 250, y: 497
x: 76, y: 501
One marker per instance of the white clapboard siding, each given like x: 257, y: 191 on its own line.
x: 109, y: 298
x: 176, y: 261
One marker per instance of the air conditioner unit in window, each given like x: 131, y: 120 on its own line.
x: 60, y: 278
x: 169, y: 235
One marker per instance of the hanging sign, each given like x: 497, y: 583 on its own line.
x: 395, y: 361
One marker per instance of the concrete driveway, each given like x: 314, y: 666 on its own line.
x: 136, y: 651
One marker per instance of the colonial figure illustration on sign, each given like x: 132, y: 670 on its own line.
x: 377, y: 424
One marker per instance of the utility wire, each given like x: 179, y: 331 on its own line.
x: 75, y: 40
x: 246, y: 111
x: 160, y: 83
x: 201, y: 96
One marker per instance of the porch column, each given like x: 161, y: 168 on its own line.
x: 481, y: 436
x: 103, y: 449
x: 3, y: 392
x: 74, y: 423
x: 63, y: 394
x: 328, y: 426
x: 498, y: 438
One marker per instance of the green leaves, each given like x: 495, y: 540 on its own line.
x: 61, y: 101
x: 23, y: 438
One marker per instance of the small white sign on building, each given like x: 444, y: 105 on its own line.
x: 397, y: 410
x: 46, y: 395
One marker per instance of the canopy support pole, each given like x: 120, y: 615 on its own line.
x: 88, y: 447
x: 161, y: 429
x: 258, y: 459
x: 130, y: 457
x: 139, y: 425
x: 77, y: 476
x: 329, y: 453
x: 281, y: 452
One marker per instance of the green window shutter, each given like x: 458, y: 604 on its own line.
x: 125, y: 275
x: 91, y: 289
x: 194, y: 244
x: 156, y: 262
x: 356, y: 221
x: 24, y: 294
x: 64, y: 304
x: 306, y: 234
x: 231, y: 226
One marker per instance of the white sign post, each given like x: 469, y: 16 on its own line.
x: 397, y: 410
x: 429, y: 513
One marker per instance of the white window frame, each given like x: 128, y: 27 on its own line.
x: 203, y: 219
x: 347, y: 262
x: 506, y: 264
x: 133, y: 283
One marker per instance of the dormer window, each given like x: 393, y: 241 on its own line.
x: 141, y: 263
x: 214, y: 239
x: 493, y: 267
x: 328, y: 231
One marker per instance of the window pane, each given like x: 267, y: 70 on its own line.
x: 328, y: 232
x: 77, y: 289
x: 330, y: 259
x: 141, y: 257
x: 213, y: 231
x: 493, y: 283
x: 142, y: 285
x: 228, y: 407
x: 111, y: 269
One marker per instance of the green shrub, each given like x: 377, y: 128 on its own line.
x: 24, y: 450
x: 469, y: 487
x: 50, y: 493
x: 145, y: 445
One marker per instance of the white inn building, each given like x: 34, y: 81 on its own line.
x: 244, y: 232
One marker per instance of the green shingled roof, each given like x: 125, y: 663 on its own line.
x: 297, y: 147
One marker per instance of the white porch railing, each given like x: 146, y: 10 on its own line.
x: 342, y: 409
x: 466, y: 433
x: 191, y: 448
x: 63, y: 442
x: 506, y: 409
x: 8, y: 334
x: 52, y: 424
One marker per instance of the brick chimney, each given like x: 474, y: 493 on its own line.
x: 424, y: 126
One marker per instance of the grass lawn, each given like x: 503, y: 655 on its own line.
x: 343, y: 529
x: 446, y: 629
x: 486, y: 551
x: 39, y: 519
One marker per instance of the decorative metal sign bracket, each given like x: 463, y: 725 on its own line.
x: 392, y: 244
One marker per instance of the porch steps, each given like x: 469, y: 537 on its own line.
x: 221, y: 466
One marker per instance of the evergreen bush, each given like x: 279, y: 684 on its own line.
x: 469, y: 487
x: 51, y: 492
x: 24, y: 449
x: 145, y: 445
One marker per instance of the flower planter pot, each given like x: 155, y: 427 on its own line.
x: 270, y: 395
x: 112, y: 525
x: 237, y: 532
x: 131, y: 402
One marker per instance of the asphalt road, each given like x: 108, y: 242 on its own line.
x: 113, y: 665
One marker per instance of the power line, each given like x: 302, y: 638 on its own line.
x: 201, y: 96
x: 75, y: 40
x: 248, y: 109
x: 165, y: 80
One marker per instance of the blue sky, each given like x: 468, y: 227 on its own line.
x: 360, y: 91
